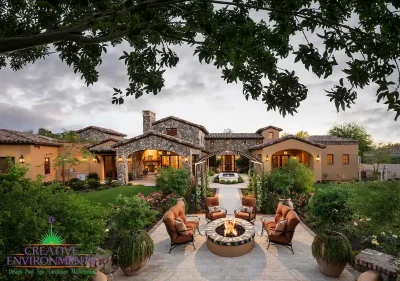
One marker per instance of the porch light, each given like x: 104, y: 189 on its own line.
x: 285, y: 152
x: 168, y: 152
x: 159, y: 152
x: 120, y: 159
x: 46, y: 159
x: 186, y: 159
x: 128, y: 159
x: 267, y: 158
x: 318, y: 158
x: 21, y: 159
x: 84, y: 158
x: 94, y: 160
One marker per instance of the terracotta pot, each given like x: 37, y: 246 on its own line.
x: 135, y: 269
x: 330, y: 269
x: 288, y: 202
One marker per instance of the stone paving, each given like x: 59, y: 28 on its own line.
x: 277, y: 263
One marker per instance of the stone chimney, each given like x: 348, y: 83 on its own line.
x: 148, y: 118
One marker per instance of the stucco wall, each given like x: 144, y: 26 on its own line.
x: 185, y: 132
x: 349, y: 171
x: 219, y: 145
x: 95, y: 135
x: 291, y: 144
x: 34, y: 158
x: 266, y: 132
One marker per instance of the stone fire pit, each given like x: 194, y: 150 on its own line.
x: 230, y: 246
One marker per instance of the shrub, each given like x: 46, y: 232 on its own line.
x: 228, y: 182
x: 157, y: 200
x: 329, y: 208
x: 77, y: 184
x: 222, y: 181
x: 170, y: 180
x: 93, y: 183
x: 216, y: 179
x: 337, y: 249
x: 211, y: 172
x: 129, y: 184
x: 234, y: 181
x: 100, y: 188
x: 93, y: 176
x: 240, y: 179
x: 25, y: 213
x: 303, y: 177
x: 130, y: 176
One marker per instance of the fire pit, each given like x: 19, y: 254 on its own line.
x: 230, y: 237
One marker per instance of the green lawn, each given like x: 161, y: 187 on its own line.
x: 107, y: 196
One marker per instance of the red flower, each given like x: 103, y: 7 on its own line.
x: 293, y: 192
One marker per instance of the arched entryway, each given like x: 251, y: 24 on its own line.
x: 280, y: 158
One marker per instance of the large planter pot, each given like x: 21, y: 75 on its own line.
x: 330, y: 269
x: 135, y: 269
x: 331, y: 263
x: 287, y: 202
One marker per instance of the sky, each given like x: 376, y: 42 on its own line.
x: 48, y: 94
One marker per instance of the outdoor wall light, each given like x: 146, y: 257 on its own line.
x: 318, y: 158
x: 129, y: 160
x: 168, y: 152
x: 159, y: 152
x: 119, y: 159
x: 46, y: 159
x: 186, y: 159
x: 285, y: 152
x: 21, y: 159
x: 84, y: 158
x: 94, y: 160
x: 267, y: 158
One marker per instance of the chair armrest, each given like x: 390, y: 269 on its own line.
x: 263, y: 218
x: 223, y: 210
x: 236, y: 210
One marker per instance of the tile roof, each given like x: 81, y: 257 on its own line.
x: 327, y: 139
x: 268, y: 127
x: 183, y: 121
x: 233, y: 136
x: 288, y: 137
x: 154, y: 133
x: 99, y: 148
x: 104, y: 130
x: 15, y: 137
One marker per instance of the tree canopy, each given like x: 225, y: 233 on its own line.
x: 302, y: 134
x: 222, y: 33
x: 356, y: 132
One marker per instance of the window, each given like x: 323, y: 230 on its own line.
x: 172, y: 131
x: 4, y: 164
x: 329, y: 159
x: 345, y: 159
x: 259, y: 142
x: 271, y: 135
x: 47, y: 165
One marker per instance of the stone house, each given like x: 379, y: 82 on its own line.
x: 177, y: 143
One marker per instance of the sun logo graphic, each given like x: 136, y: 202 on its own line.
x: 51, y: 237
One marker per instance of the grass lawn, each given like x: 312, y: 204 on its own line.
x: 359, y: 192
x: 107, y: 196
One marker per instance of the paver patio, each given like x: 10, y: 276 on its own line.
x: 278, y: 263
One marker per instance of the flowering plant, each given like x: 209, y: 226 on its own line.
x: 157, y: 200
x: 301, y: 200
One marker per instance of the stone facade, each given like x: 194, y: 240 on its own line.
x: 96, y: 135
x: 151, y: 142
x: 220, y: 145
x: 148, y: 118
x: 185, y: 131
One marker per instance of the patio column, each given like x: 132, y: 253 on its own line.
x: 122, y: 169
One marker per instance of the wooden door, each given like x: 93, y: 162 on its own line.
x: 228, y: 163
x: 110, y: 166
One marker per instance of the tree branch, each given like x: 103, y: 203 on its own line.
x: 95, y: 40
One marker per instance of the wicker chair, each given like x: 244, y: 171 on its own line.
x: 210, y: 216
x: 249, y: 216
x: 178, y: 238
x: 281, y: 238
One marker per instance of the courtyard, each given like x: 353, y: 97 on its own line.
x: 277, y: 263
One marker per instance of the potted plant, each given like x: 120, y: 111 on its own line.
x: 286, y: 199
x: 132, y: 245
x: 332, y: 251
x: 329, y: 213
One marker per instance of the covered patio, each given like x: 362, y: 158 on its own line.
x: 277, y: 263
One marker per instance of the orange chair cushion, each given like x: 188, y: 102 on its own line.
x: 192, y: 225
x: 184, y: 238
x: 277, y: 237
x: 249, y: 201
x: 212, y: 201
x: 269, y: 225
x: 281, y: 212
x: 216, y: 215
x: 244, y: 216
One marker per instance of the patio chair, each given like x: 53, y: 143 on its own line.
x: 214, y: 202
x: 180, y: 237
x: 278, y: 237
x: 248, y: 209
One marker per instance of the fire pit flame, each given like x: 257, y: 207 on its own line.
x: 230, y: 228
